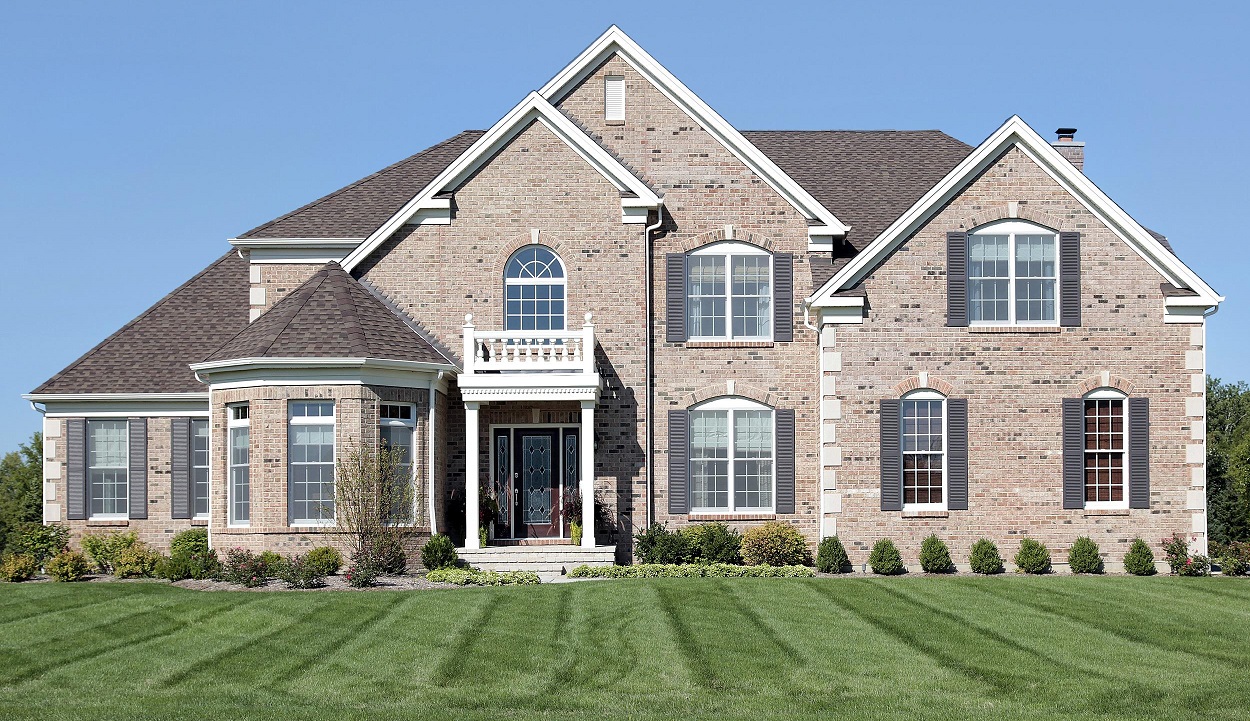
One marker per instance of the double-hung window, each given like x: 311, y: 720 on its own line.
x: 924, y: 450
x: 1105, y: 448
x: 1013, y: 274
x: 239, y: 493
x: 107, y: 466
x: 199, y: 467
x: 396, y: 430
x: 729, y: 293
x: 731, y: 457
x: 311, y: 473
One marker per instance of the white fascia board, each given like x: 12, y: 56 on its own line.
x: 256, y: 372
x: 533, y: 107
x: 295, y: 250
x: 121, y: 405
x: 614, y: 40
x: 1016, y: 132
x: 299, y: 362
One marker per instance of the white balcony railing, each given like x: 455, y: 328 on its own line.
x: 526, y: 351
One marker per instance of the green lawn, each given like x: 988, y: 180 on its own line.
x: 913, y: 647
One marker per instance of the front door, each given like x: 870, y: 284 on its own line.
x: 536, y: 483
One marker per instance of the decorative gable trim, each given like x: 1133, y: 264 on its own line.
x: 431, y: 206
x: 824, y: 226
x: 1015, y: 132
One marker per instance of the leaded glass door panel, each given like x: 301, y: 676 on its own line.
x: 536, y: 490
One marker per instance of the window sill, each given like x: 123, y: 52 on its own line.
x: 614, y: 122
x: 729, y: 344
x: 104, y: 522
x: 731, y: 517
x: 1104, y: 512
x: 1024, y: 329
x: 926, y: 514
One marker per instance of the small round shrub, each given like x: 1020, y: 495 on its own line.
x: 1176, y: 551
x: 361, y: 574
x: 137, y: 561
x: 935, y: 557
x: 244, y: 568
x: 885, y: 558
x: 775, y: 543
x: 1083, y: 556
x: 272, y: 562
x: 1234, y: 558
x: 984, y: 558
x: 1139, y: 560
x: 831, y: 557
x: 1195, y: 566
x: 439, y: 552
x: 68, y: 566
x: 189, y: 542
x: 389, y: 557
x: 298, y: 572
x: 713, y: 543
x: 657, y: 544
x: 18, y: 567
x: 327, y: 559
x: 1033, y: 557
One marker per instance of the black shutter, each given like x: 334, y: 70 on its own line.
x: 1073, y: 453
x: 138, y: 472
x: 675, y: 298
x: 785, y: 460
x: 891, y: 456
x: 783, y: 297
x: 956, y: 278
x: 76, y: 469
x: 1070, y: 279
x: 1139, y: 453
x: 180, y: 468
x: 957, y: 454
x: 678, y: 467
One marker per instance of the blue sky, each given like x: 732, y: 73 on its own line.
x: 138, y: 137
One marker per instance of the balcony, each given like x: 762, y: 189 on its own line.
x: 529, y: 365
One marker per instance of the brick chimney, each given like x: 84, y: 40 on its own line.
x: 1070, y: 148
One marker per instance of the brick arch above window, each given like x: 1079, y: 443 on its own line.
x: 1105, y: 380
x: 1005, y: 211
x: 508, y: 249
x: 740, y: 235
x: 738, y: 390
x: 924, y: 381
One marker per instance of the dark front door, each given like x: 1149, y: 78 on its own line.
x: 536, y: 483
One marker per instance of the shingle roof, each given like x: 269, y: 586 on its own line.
x: 150, y: 353
x: 330, y: 316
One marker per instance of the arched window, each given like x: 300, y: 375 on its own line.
x: 534, y: 290
x: 1105, y: 449
x: 924, y: 449
x: 1013, y: 274
x: 732, y: 449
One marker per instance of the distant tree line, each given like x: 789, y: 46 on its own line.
x: 21, y: 488
x: 1228, y: 461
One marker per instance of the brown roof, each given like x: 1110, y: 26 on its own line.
x: 150, y: 353
x: 330, y: 316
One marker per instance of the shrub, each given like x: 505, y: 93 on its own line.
x: 935, y: 557
x: 18, y: 567
x: 885, y: 558
x: 1083, y: 557
x: 389, y: 557
x: 439, y: 552
x: 198, y: 566
x: 1033, y: 557
x: 775, y: 543
x: 1139, y: 560
x: 361, y: 575
x: 657, y: 544
x: 189, y: 542
x: 691, y: 570
x: 326, y: 559
x: 984, y: 558
x: 831, y: 557
x: 273, y: 562
x: 474, y: 577
x: 244, y: 568
x: 40, y: 542
x: 299, y: 572
x: 1235, y: 559
x: 137, y: 561
x: 713, y: 543
x: 1176, y: 551
x: 68, y: 566
x: 1195, y: 566
x: 104, y: 548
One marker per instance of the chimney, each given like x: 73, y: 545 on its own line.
x: 1070, y: 148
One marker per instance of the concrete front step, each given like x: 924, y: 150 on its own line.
x: 544, y: 560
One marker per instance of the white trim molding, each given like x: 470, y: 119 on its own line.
x: 295, y: 250
x: 255, y: 372
x: 121, y: 405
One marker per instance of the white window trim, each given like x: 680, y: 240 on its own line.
x: 1012, y: 228
x: 207, y: 468
x: 727, y: 250
x: 925, y: 394
x: 294, y: 420
x: 125, y: 467
x: 562, y: 280
x: 231, y: 424
x: 1104, y: 394
x: 732, y: 404
x: 411, y: 424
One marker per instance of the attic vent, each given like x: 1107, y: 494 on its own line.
x: 614, y: 98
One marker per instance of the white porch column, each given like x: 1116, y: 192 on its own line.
x: 471, y: 476
x: 587, y: 452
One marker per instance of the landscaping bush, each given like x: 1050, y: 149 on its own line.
x: 1195, y: 566
x: 657, y: 544
x: 189, y: 542
x: 831, y: 557
x: 1083, y: 557
x: 244, y: 568
x: 1033, y: 557
x: 18, y: 567
x: 1235, y: 559
x: 1139, y: 560
x: 299, y: 572
x: 984, y: 558
x: 389, y: 557
x: 68, y: 566
x: 104, y: 548
x: 474, y: 577
x: 198, y: 566
x: 691, y: 570
x: 439, y: 552
x: 137, y: 561
x: 885, y: 558
x: 1176, y: 551
x: 326, y: 560
x: 40, y: 542
x: 361, y: 574
x: 935, y: 557
x: 273, y: 562
x: 713, y: 543
x: 775, y: 543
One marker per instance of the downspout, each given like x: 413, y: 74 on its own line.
x: 646, y: 254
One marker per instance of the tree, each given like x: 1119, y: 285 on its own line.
x: 1228, y: 461
x: 21, y: 491
x: 376, y: 505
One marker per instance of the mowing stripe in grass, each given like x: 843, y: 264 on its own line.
x: 34, y: 613
x: 563, y: 641
x: 687, y: 642
x: 462, y: 643
x: 748, y: 612
x: 331, y: 641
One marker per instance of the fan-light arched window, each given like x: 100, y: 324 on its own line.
x: 534, y: 290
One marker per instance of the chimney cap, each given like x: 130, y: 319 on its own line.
x: 1066, y: 134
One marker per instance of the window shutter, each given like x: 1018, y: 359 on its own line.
x: 956, y: 279
x: 1139, y: 453
x: 138, y: 473
x: 678, y: 466
x: 785, y: 460
x: 675, y: 291
x: 783, y: 297
x: 1073, y: 453
x: 891, y: 455
x: 76, y: 469
x: 957, y: 454
x: 180, y: 468
x: 614, y: 97
x: 1070, y: 279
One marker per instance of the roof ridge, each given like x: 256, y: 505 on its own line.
x: 343, y: 297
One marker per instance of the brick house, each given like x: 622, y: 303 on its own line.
x: 613, y: 294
